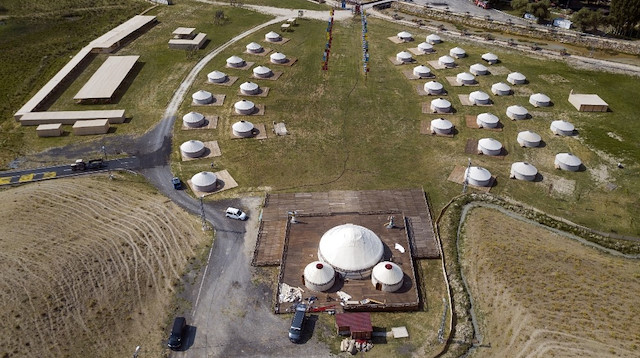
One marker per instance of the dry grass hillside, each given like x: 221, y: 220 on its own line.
x: 538, y: 294
x: 88, y: 267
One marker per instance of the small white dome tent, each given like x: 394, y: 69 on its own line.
x: 517, y: 112
x: 425, y: 47
x: 479, y: 97
x: 405, y: 36
x: 422, y: 71
x: 202, y: 97
x: 457, y: 52
x: 487, y: 120
x: 272, y: 37
x: 528, y: 139
x: 523, y: 171
x: 254, y: 48
x: 433, y: 87
x: 352, y: 250
x: 477, y: 176
x: 479, y: 69
x: 193, y: 120
x: 562, y: 128
x: 465, y: 78
x: 434, y: 39
x: 278, y: 57
x: 567, y: 161
x: 489, y: 146
x: 440, y: 105
x: 540, y: 100
x: 262, y: 72
x: 192, y: 148
x: 490, y: 58
x: 249, y: 88
x: 205, y: 181
x: 243, y: 129
x: 244, y: 107
x: 447, y: 61
x: 319, y: 276
x: 235, y: 61
x: 441, y: 126
x: 216, y: 77
x: 387, y: 276
x: 501, y: 89
x: 404, y: 56
x: 516, y: 78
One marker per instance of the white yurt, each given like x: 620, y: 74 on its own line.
x: 567, y: 161
x: 254, y: 48
x: 487, y: 120
x: 433, y: 87
x: 272, y: 37
x: 244, y: 107
x: 540, y: 100
x: 249, y: 88
x: 465, y: 78
x: 440, y: 105
x: 192, y: 148
x: 278, y: 57
x: 523, y: 171
x: 235, y: 61
x: 441, y: 126
x: 262, y: 72
x: 425, y: 47
x: 434, y: 39
x: 352, y: 250
x: 405, y: 36
x: 516, y: 78
x: 242, y: 129
x: 457, y: 52
x: 205, y: 181
x: 216, y: 77
x: 202, y: 97
x: 422, y: 71
x: 319, y: 276
x: 501, y: 89
x: 193, y: 120
x: 447, y: 61
x: 490, y: 58
x: 387, y: 276
x: 479, y: 97
x: 517, y: 112
x: 562, y: 128
x: 404, y: 56
x: 528, y: 139
x: 477, y: 176
x: 478, y: 69
x: 489, y: 146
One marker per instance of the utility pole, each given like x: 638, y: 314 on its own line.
x: 466, y: 177
x: 203, y: 218
x: 104, y: 158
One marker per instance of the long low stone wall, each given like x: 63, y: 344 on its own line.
x: 550, y: 34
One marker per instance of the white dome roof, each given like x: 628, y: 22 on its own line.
x: 529, y: 136
x: 254, y: 46
x: 319, y: 273
x: 478, y: 174
x: 422, y: 69
x: 278, y: 56
x: 441, y: 123
x: 201, y: 95
x: 501, y: 86
x: 490, y: 144
x: 441, y: 103
x: 465, y: 76
x: 568, y: 159
x: 192, y: 117
x: 242, y: 126
x: 478, y: 96
x: 489, y: 57
x: 446, y: 59
x: 272, y: 35
x: 249, y: 87
x: 457, y: 51
x: 350, y: 247
x: 404, y: 55
x: 204, y: 179
x: 488, y: 118
x: 434, y: 38
x: 235, y: 60
x: 387, y: 273
x: 192, y: 146
x: 433, y: 85
x: 478, y: 67
x: 562, y: 125
x: 517, y: 110
x: 244, y: 105
x: 216, y: 76
x: 516, y: 76
x: 540, y: 97
x: 261, y: 70
x: 404, y: 35
x: 425, y: 46
x: 524, y: 168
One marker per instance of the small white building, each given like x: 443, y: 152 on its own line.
x: 278, y: 57
x: 254, y: 47
x: 192, y: 148
x: 567, y: 161
x: 516, y: 78
x: 523, y: 171
x: 216, y: 77
x: 422, y: 71
x: 235, y: 61
x: 540, y: 100
x: 249, y: 88
x: 465, y: 78
x: 387, y: 276
x: 244, y: 107
x: 433, y: 87
x: 489, y: 146
x: 479, y: 69
x: 405, y: 36
x: 457, y: 52
x: 441, y: 126
x: 404, y: 56
x: 262, y: 72
x: 205, y: 181
x: 441, y: 105
x: 193, y: 120
x: 243, y: 129
x: 501, y: 89
x: 479, y: 97
x: 202, y: 97
x: 529, y: 139
x: 477, y: 176
x: 319, y: 276
x: 433, y: 39
x: 425, y: 47
x: 447, y: 61
x: 490, y: 58
x: 272, y: 37
x: 562, y: 128
x: 487, y: 120
x: 517, y: 112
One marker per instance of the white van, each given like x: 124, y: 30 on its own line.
x: 235, y: 213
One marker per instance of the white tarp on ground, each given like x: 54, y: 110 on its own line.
x: 343, y: 296
x: 289, y: 293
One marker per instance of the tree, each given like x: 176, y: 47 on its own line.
x: 520, y: 6
x: 624, y: 16
x: 219, y: 17
x: 540, y: 9
x: 582, y: 19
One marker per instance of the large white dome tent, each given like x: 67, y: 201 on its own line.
x: 272, y: 36
x: 433, y: 87
x: 490, y: 58
x: 457, y: 52
x: 262, y: 72
x: 216, y: 77
x: 487, y: 120
x: 243, y: 129
x: 523, y: 171
x: 249, y: 88
x: 539, y: 100
x: 425, y: 47
x: 387, y: 276
x: 477, y: 176
x: 202, y: 97
x: 193, y: 120
x: 192, y: 148
x: 244, y: 107
x: 501, y: 89
x: 422, y: 71
x: 254, y: 48
x: 441, y: 105
x: 562, y: 128
x: 404, y: 56
x: 465, y: 78
x: 447, y: 61
x: 441, y: 126
x: 352, y: 250
x: 278, y: 57
x: 205, y: 181
x: 433, y: 39
x: 528, y: 139
x: 405, y: 36
x: 479, y: 69
x: 567, y: 161
x: 489, y: 146
x: 479, y: 97
x: 235, y: 61
x: 517, y: 112
x: 516, y: 78
x: 319, y: 276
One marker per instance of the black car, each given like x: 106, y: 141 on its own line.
x: 177, y: 333
x: 177, y: 184
x: 297, y: 324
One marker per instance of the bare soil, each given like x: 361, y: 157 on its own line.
x: 538, y: 294
x: 89, y: 267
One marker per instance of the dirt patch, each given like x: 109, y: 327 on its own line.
x: 554, y: 78
x: 557, y: 186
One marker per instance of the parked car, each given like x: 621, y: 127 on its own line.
x: 297, y: 324
x: 177, y: 184
x: 235, y: 213
x: 177, y: 333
